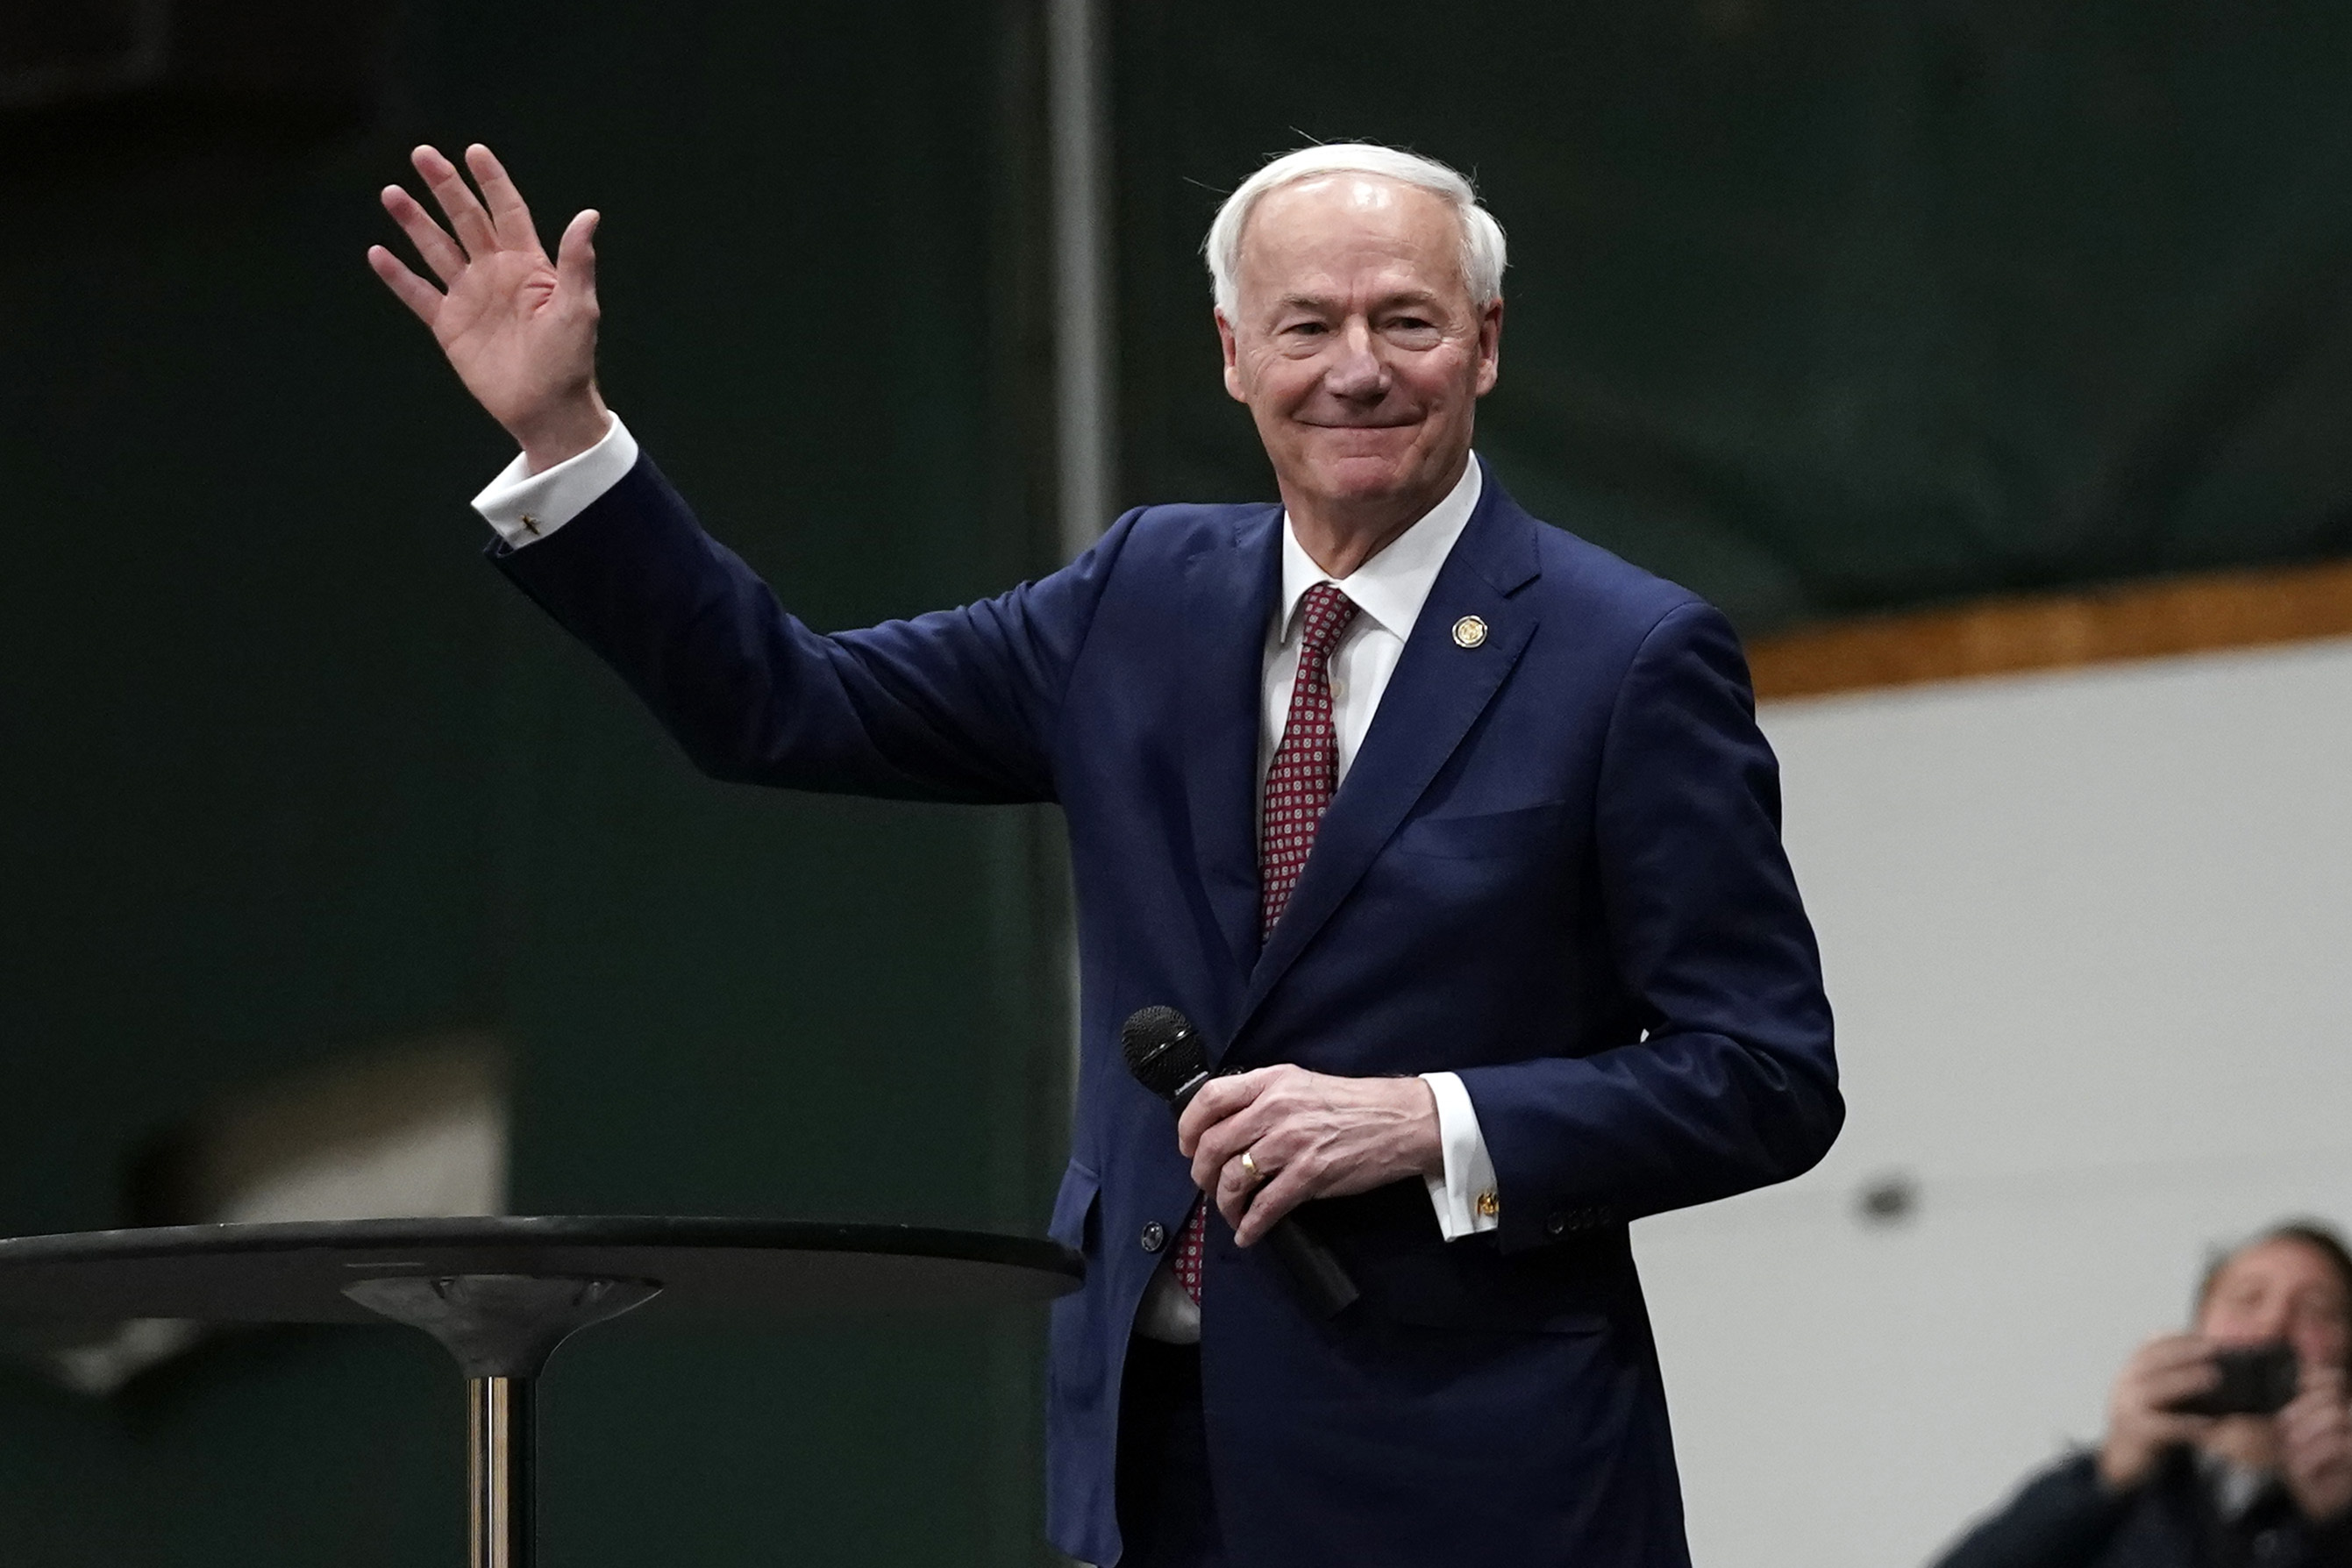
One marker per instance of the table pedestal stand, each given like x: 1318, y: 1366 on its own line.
x: 501, y: 1327
x: 501, y: 1291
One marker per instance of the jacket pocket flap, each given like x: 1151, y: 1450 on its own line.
x: 1474, y: 837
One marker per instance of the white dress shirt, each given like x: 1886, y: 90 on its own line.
x: 1388, y: 592
x: 524, y: 508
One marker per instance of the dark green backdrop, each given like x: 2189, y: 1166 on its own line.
x: 1821, y: 306
x: 291, y: 773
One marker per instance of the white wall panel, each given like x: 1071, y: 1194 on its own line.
x: 2087, y: 937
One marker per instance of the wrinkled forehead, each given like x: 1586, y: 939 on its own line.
x: 1344, y: 219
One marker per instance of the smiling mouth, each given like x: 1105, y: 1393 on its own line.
x: 1365, y: 424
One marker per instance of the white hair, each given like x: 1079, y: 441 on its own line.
x: 1482, y: 237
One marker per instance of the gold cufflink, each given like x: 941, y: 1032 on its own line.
x: 1489, y: 1205
x: 1469, y: 632
x: 530, y: 526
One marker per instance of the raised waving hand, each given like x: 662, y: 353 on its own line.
x: 518, y: 329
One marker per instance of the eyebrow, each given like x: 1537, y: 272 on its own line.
x: 1386, y: 302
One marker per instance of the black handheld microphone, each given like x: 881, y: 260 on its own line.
x: 1168, y: 1058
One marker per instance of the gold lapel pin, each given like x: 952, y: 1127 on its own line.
x: 1469, y: 632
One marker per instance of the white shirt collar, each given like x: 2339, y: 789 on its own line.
x: 1392, y: 585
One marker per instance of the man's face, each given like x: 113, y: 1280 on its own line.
x: 1354, y: 342
x: 2279, y: 1290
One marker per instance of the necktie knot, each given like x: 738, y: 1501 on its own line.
x: 1325, y: 615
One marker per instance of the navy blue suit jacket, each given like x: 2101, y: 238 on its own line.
x: 1553, y: 868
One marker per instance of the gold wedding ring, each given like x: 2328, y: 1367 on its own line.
x: 1251, y: 1166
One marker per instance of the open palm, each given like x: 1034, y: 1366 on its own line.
x: 518, y: 329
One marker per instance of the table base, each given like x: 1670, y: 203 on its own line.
x: 501, y: 1327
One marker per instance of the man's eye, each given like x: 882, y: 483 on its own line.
x: 1304, y: 329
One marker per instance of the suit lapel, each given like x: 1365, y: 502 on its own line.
x: 1437, y: 692
x: 1230, y: 591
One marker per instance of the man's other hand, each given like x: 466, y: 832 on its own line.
x: 2162, y: 1372
x: 1309, y: 1134
x: 519, y: 329
x: 2315, y: 1434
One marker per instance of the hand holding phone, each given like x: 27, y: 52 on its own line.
x: 2248, y: 1380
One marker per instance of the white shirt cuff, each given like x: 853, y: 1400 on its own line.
x: 525, y: 508
x: 1465, y: 1195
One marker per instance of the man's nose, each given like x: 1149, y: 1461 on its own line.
x: 1357, y: 371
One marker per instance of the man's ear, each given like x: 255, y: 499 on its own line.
x: 1232, y: 363
x: 1490, y: 347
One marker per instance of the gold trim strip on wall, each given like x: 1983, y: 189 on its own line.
x: 2007, y: 637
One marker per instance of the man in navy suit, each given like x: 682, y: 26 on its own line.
x: 1453, y: 834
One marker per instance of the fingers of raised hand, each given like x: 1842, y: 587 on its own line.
x: 467, y: 219
x: 575, y: 256
x: 407, y: 287
x: 433, y: 243
x: 507, y: 214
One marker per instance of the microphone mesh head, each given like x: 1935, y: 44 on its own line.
x: 1162, y: 1050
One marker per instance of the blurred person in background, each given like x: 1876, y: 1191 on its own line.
x: 2168, y: 1488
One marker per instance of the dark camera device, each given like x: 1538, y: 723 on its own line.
x: 2249, y: 1380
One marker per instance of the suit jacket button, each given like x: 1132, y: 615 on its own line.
x: 1555, y: 1223
x: 1155, y: 1235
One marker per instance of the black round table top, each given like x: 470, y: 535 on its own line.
x: 296, y: 1272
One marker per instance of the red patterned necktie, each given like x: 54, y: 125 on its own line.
x: 1300, y: 784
